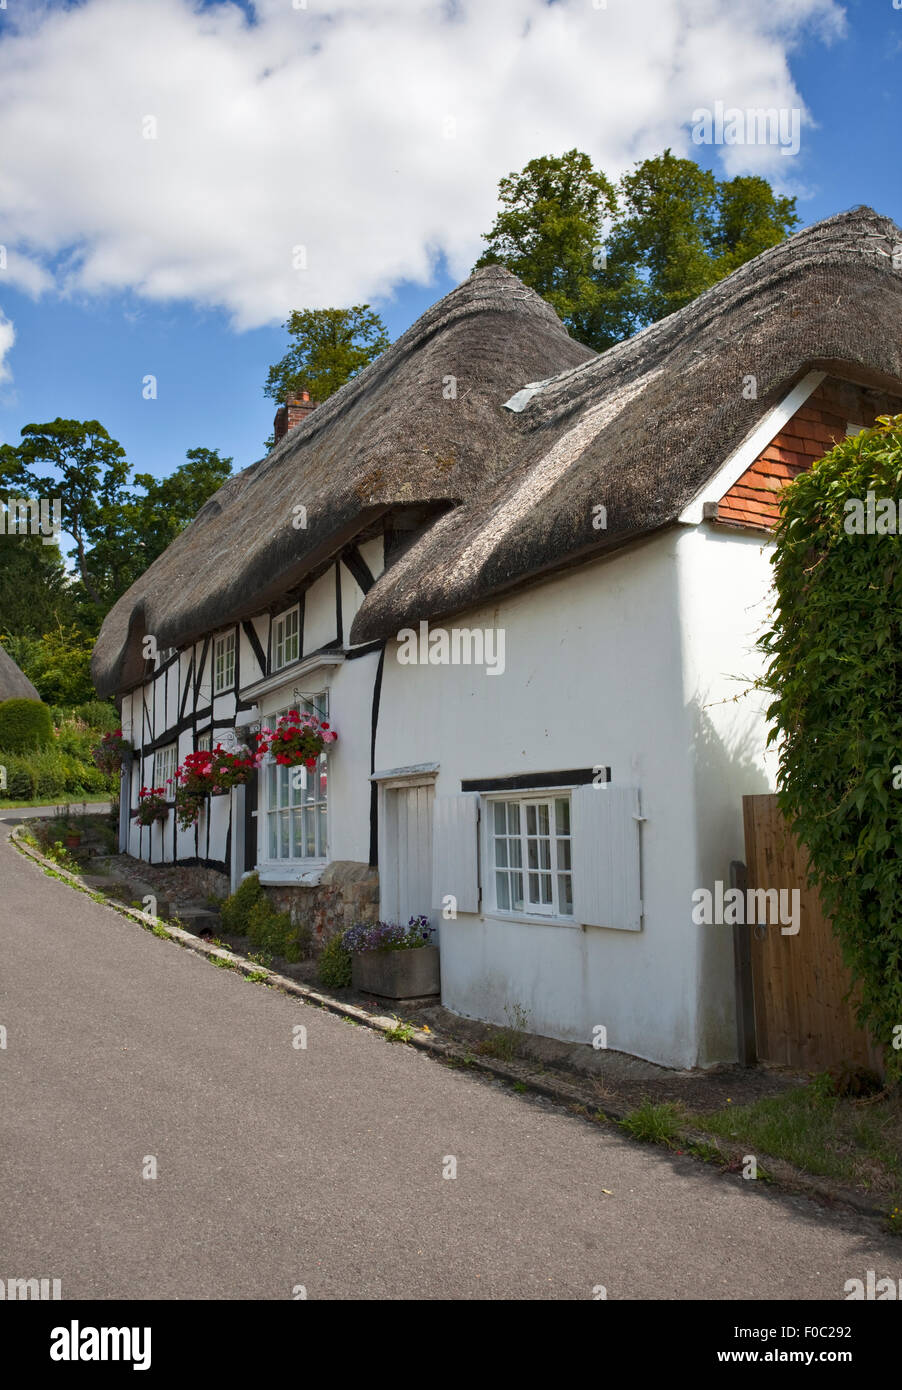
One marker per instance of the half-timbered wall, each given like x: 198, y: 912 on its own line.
x: 177, y: 705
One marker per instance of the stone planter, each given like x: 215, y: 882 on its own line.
x: 397, y: 974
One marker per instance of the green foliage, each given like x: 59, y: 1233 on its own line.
x: 51, y: 772
x: 65, y: 768
x: 668, y: 230
x: 249, y: 912
x: 400, y: 1032
x: 834, y: 665
x: 273, y: 931
x: 35, y: 594
x: 549, y: 231
x: 330, y: 347
x: 236, y: 910
x: 24, y: 725
x: 89, y: 474
x: 334, y: 965
x: 653, y: 1123
x: 117, y: 530
x: 58, y: 664
x: 96, y: 715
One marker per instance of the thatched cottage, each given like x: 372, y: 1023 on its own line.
x: 525, y: 582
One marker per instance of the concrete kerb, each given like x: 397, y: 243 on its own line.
x: 784, y: 1176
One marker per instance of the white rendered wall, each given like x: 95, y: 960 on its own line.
x: 596, y: 674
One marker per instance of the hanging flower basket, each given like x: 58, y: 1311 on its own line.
x: 297, y: 739
x: 111, y: 752
x: 229, y: 770
x: 151, y: 805
x: 204, y: 774
x: 187, y: 806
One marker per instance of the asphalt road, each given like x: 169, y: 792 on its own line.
x: 323, y: 1166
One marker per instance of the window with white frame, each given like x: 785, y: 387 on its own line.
x: 204, y: 742
x: 164, y: 764
x: 296, y: 797
x: 286, y: 633
x: 529, y: 843
x: 224, y: 663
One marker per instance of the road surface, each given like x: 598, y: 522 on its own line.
x: 322, y: 1166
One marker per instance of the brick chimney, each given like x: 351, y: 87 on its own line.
x: 295, y: 409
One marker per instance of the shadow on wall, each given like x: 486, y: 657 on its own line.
x: 728, y: 766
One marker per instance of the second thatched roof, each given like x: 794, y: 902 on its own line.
x: 14, y: 684
x: 642, y: 428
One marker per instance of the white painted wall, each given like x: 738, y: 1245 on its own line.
x: 596, y: 673
x: 724, y: 585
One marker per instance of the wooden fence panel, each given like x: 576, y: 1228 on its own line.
x: 803, y: 1015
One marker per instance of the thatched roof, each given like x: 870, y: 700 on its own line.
x: 14, y: 684
x: 641, y: 428
x: 394, y: 437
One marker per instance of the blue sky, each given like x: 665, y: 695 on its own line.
x: 190, y: 286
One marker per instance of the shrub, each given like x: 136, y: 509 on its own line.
x: 97, y: 714
x: 236, y: 910
x: 20, y: 782
x: 273, y: 931
x: 335, y: 964
x: 24, y: 724
x: 834, y: 667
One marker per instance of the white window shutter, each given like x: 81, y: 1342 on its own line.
x: 605, y: 848
x: 455, y: 850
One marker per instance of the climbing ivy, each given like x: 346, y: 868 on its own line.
x: 835, y: 665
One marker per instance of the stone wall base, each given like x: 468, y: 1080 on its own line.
x: 347, y: 893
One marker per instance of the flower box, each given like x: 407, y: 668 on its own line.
x: 397, y: 974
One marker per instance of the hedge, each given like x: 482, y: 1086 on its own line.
x: 834, y: 665
x: 24, y: 725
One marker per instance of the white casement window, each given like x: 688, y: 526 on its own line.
x: 164, y: 764
x: 224, y: 663
x: 529, y: 841
x: 204, y: 742
x: 286, y: 643
x: 295, y: 798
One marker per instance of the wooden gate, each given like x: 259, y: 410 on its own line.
x: 803, y: 1015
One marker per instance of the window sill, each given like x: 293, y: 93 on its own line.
x: 284, y: 873
x: 523, y: 920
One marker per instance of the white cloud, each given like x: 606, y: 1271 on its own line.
x: 328, y: 128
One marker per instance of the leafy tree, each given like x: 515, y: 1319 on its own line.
x: 58, y: 664
x: 833, y: 654
x: 148, y: 522
x: 330, y: 346
x: 549, y: 232
x: 35, y: 592
x: 90, y: 477
x: 673, y: 230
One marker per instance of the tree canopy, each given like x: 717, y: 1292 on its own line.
x: 49, y: 616
x: 614, y: 257
x: 329, y: 347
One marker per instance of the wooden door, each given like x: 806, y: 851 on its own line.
x: 405, y: 867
